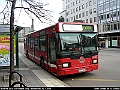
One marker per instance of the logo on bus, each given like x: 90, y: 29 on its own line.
x: 82, y: 59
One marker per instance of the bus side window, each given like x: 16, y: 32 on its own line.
x: 53, y: 52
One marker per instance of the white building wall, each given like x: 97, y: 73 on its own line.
x: 63, y: 5
x: 73, y: 5
x: 63, y: 13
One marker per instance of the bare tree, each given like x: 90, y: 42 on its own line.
x: 37, y: 9
x: 5, y: 14
x: 34, y: 8
x: 30, y: 7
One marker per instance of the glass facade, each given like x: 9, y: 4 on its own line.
x: 108, y: 12
x: 108, y: 15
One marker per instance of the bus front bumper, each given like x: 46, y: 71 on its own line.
x: 76, y: 70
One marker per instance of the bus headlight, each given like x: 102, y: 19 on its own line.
x: 65, y: 65
x: 94, y: 61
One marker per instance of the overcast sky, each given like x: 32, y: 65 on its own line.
x: 23, y: 19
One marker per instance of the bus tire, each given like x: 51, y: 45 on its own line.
x: 42, y: 62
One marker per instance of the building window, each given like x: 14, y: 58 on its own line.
x: 108, y: 15
x: 67, y: 14
x: 90, y: 3
x: 90, y: 20
x: 118, y: 26
x: 105, y: 17
x: 115, y: 26
x: 76, y: 2
x: 86, y: 20
x: 107, y: 27
x: 111, y: 27
x: 101, y: 17
x: 77, y: 16
x: 86, y: 4
x: 114, y: 41
x: 74, y: 18
x: 79, y: 7
x: 95, y: 19
x: 73, y: 10
x: 71, y: 18
x: 101, y: 7
x: 114, y: 14
x: 76, y: 9
x: 68, y: 6
x: 83, y: 14
x: 80, y: 15
x: 86, y: 13
x: 73, y: 3
x: 67, y: 20
x: 90, y: 11
x: 94, y: 10
x: 83, y: 6
x: 118, y: 13
x: 94, y: 1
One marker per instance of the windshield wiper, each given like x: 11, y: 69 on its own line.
x: 90, y: 52
x: 75, y: 53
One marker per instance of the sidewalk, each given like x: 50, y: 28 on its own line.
x: 32, y: 75
x: 110, y: 49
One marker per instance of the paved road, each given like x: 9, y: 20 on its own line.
x: 108, y: 73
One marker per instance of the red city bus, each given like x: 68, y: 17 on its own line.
x: 64, y: 48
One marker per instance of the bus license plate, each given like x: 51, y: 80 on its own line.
x: 81, y: 70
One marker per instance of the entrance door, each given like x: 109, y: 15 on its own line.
x: 51, y: 53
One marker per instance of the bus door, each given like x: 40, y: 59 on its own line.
x: 51, y: 53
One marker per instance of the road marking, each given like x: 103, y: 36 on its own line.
x: 101, y: 60
x: 102, y: 80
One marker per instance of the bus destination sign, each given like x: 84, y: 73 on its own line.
x: 88, y: 27
x: 77, y: 27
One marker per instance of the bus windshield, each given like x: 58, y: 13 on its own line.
x: 89, y: 42
x: 77, y: 42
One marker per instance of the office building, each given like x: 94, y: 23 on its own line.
x: 108, y: 12
x: 84, y: 10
